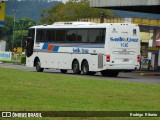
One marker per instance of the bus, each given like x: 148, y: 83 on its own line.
x: 84, y: 47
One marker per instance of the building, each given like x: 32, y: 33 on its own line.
x: 2, y: 13
x: 148, y: 6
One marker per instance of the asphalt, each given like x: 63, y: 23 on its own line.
x: 146, y: 77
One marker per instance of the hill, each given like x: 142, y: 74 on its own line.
x: 32, y: 9
x: 28, y: 8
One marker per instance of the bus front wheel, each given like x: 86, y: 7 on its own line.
x: 38, y: 66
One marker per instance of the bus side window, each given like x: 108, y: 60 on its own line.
x: 94, y: 35
x: 38, y: 35
x: 50, y: 35
x: 83, y: 33
x: 79, y: 38
x: 97, y: 39
x: 102, y: 35
x: 41, y: 35
x: 60, y: 35
x: 71, y: 36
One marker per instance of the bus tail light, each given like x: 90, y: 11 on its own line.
x: 138, y: 58
x: 108, y: 58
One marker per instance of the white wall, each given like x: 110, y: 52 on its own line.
x: 2, y: 45
x: 153, y: 60
x: 159, y: 58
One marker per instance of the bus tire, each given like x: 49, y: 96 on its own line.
x: 75, y: 67
x: 85, y: 68
x: 38, y: 66
x: 108, y: 73
x: 63, y: 71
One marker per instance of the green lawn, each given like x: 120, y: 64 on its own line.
x: 21, y: 90
x: 32, y: 91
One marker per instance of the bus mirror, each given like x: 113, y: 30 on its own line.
x: 29, y: 38
x: 24, y: 42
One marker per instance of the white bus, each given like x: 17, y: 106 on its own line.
x: 84, y: 47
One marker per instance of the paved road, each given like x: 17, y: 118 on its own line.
x: 130, y: 77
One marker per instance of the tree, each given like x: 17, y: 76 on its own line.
x: 21, y: 31
x: 8, y: 27
x: 71, y: 11
x: 7, y: 31
x: 25, y: 23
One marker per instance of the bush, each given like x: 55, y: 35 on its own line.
x: 23, y: 60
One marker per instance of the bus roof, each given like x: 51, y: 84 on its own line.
x: 80, y: 25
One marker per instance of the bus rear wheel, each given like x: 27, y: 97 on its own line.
x: 108, y: 73
x: 38, y: 66
x: 75, y: 67
x: 85, y: 68
x: 63, y: 71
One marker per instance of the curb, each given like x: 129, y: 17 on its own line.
x: 150, y: 74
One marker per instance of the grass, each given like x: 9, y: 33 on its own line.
x: 32, y: 91
x: 21, y: 90
x: 11, y: 62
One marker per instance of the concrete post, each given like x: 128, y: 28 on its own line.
x: 154, y: 37
x: 159, y: 58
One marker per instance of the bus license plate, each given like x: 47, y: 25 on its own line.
x: 125, y: 60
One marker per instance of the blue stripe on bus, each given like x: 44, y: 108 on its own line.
x: 56, y: 48
x: 45, y: 46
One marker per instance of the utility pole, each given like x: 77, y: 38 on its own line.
x: 102, y: 17
x: 21, y: 26
x: 14, y: 12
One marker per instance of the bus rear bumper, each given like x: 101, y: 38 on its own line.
x: 125, y: 68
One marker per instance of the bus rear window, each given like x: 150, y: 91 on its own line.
x: 97, y: 35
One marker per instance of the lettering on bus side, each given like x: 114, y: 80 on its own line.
x: 85, y: 51
x: 76, y: 50
x: 124, y: 42
x: 120, y: 39
x: 80, y: 50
